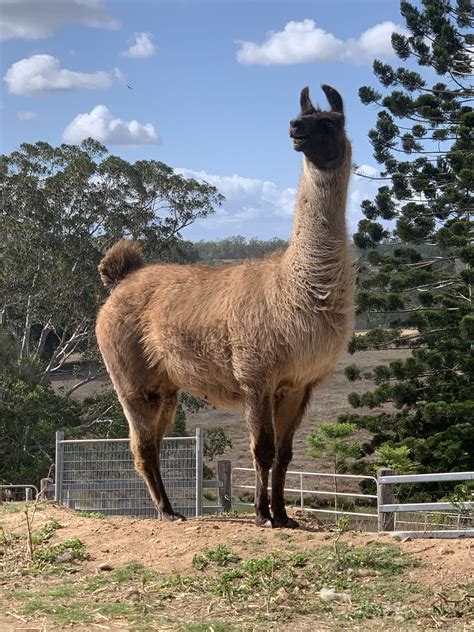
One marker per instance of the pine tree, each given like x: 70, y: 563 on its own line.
x: 417, y: 236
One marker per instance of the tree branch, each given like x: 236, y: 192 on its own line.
x: 90, y: 378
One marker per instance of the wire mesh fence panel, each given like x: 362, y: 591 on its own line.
x: 100, y: 476
x: 17, y: 493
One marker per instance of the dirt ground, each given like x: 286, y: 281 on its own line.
x: 176, y: 550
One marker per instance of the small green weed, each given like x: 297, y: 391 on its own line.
x: 9, y: 508
x: 133, y: 571
x: 46, y: 532
x: 120, y: 609
x: 369, y: 610
x: 91, y: 514
x: 206, y: 626
x: 72, y: 549
x: 61, y: 614
x: 281, y: 535
x: 298, y: 560
x: 200, y: 562
x: 222, y: 555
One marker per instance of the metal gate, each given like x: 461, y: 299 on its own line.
x: 99, y: 475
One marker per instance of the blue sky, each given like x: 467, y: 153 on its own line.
x: 215, y: 84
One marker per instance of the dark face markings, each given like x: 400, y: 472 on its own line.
x: 320, y: 134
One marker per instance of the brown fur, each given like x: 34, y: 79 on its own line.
x: 261, y: 334
x: 123, y: 258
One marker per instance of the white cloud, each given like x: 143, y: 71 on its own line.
x: 261, y: 208
x: 142, y: 47
x: 377, y: 40
x: 304, y: 42
x: 32, y: 19
x: 100, y: 124
x: 23, y: 115
x: 43, y: 73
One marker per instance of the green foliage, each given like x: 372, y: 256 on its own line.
x: 46, y: 532
x: 418, y: 272
x: 222, y: 555
x: 331, y: 440
x: 236, y: 248
x: 216, y: 441
x: 51, y: 554
x: 91, y: 514
x: 178, y: 428
x: 396, y: 458
x: 29, y: 418
x: 61, y: 208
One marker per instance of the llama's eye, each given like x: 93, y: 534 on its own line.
x: 326, y: 124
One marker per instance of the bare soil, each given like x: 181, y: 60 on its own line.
x: 409, y: 600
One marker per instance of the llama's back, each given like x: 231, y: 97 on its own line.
x: 188, y: 322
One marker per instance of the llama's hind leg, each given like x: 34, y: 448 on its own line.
x: 289, y: 410
x: 258, y: 412
x: 148, y: 417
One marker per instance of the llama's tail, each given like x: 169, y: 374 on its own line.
x: 124, y: 257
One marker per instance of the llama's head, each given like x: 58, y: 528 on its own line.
x: 320, y: 134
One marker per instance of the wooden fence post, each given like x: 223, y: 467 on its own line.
x: 385, y: 497
x: 224, y: 474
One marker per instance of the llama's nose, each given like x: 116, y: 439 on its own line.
x: 296, y: 127
x: 296, y: 123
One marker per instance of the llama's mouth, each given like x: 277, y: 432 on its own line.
x: 299, y: 142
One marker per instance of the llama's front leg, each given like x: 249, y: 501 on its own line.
x: 289, y: 410
x: 258, y: 411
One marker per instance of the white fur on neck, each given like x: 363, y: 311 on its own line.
x: 320, y: 261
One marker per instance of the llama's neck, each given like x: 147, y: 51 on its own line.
x: 317, y: 255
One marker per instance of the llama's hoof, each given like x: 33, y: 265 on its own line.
x: 264, y: 522
x: 285, y: 523
x: 171, y: 517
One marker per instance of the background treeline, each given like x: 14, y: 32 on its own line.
x: 236, y: 248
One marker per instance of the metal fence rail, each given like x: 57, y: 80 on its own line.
x: 456, y: 518
x: 99, y: 475
x: 303, y: 491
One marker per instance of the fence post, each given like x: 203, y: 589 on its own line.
x: 199, y: 456
x: 45, y: 488
x: 58, y: 468
x: 301, y: 491
x: 28, y: 494
x: 385, y: 497
x: 224, y: 473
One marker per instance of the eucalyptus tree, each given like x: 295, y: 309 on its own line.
x: 62, y: 207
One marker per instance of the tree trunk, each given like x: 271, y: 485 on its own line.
x: 25, y: 341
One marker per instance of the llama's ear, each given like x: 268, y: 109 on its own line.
x: 305, y: 102
x: 334, y: 98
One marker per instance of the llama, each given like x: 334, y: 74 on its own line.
x: 261, y: 334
